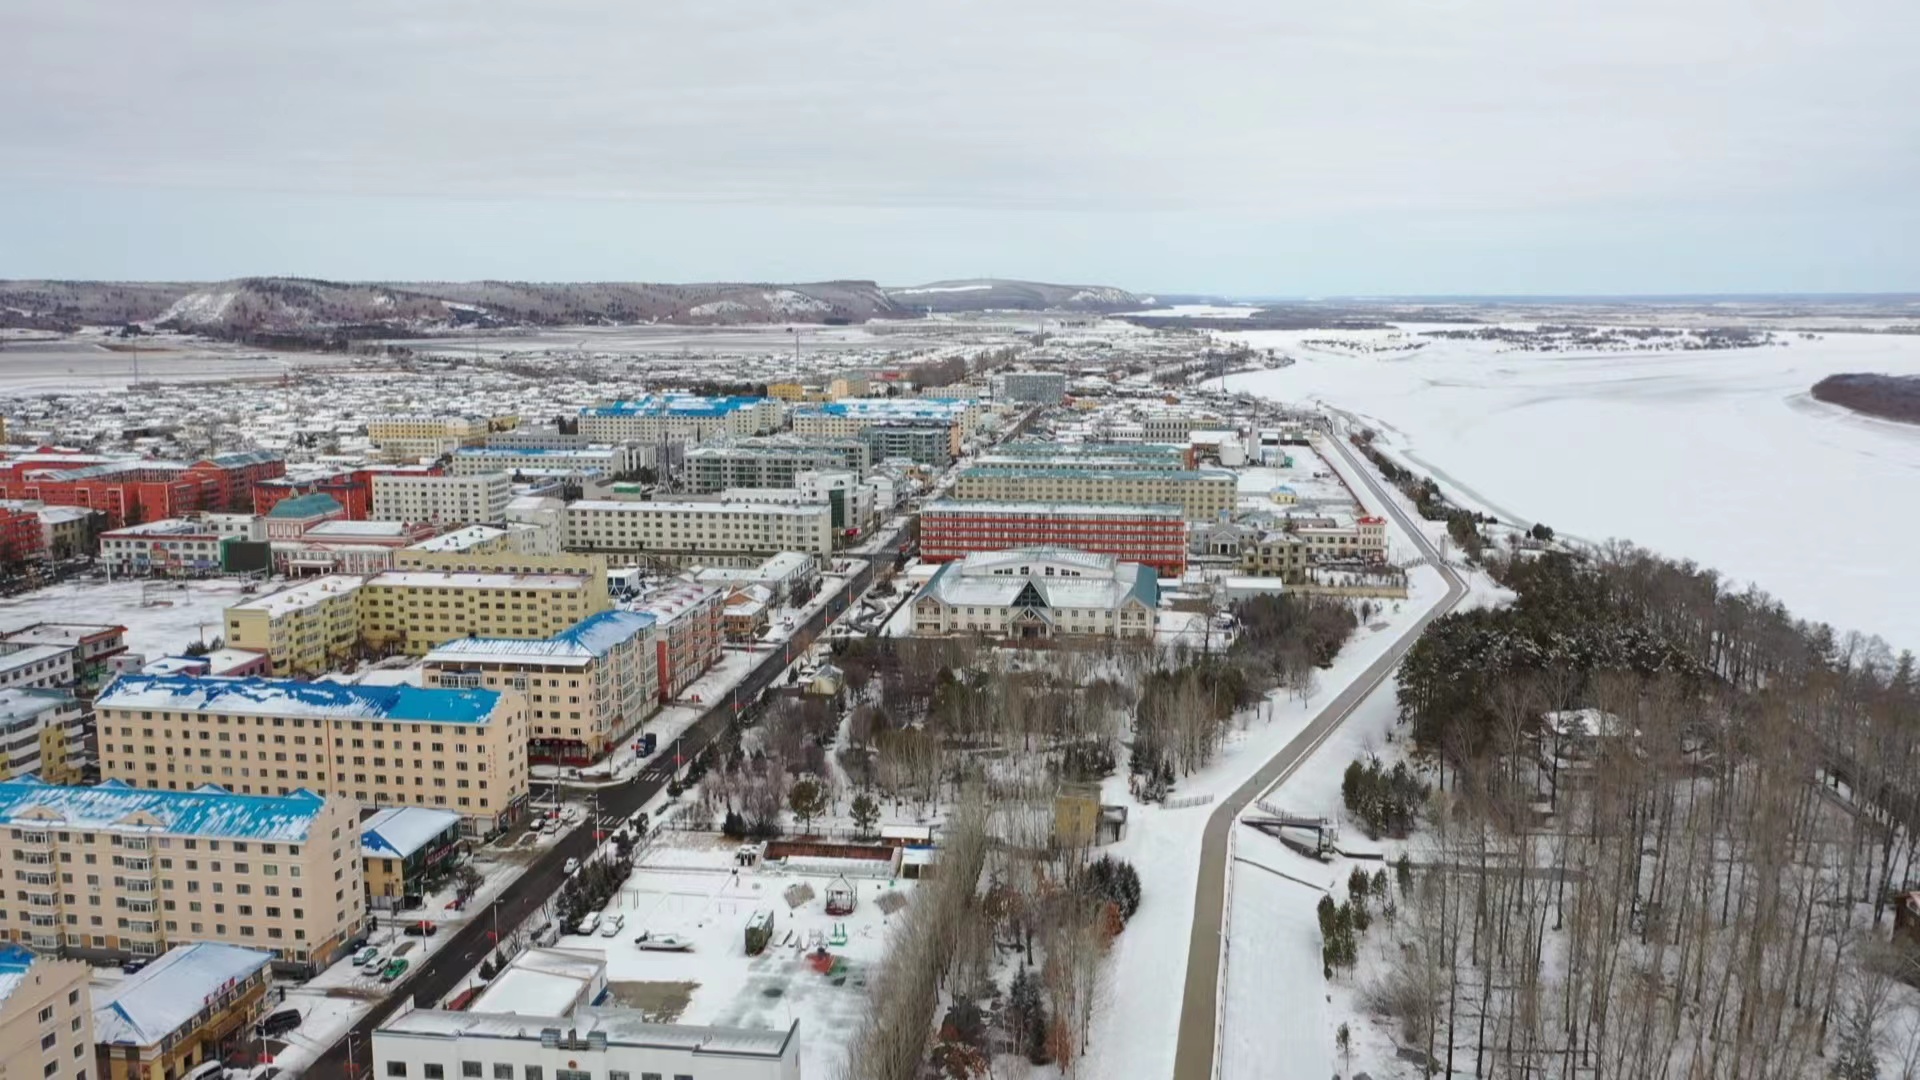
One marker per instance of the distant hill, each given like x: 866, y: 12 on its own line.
x: 295, y: 310
x: 1890, y: 397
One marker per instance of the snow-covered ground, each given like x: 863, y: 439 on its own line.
x: 686, y: 885
x: 180, y: 614
x: 1277, y: 1014
x: 1719, y: 456
x: 1135, y: 1033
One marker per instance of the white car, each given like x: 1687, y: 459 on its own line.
x: 589, y: 923
x: 572, y: 865
x: 610, y: 924
x: 663, y: 942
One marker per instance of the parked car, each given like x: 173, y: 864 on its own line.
x: 588, y: 923
x: 207, y: 1070
x: 420, y: 928
x: 370, y: 957
x: 663, y: 942
x: 394, y: 970
x: 255, y: 1072
x: 134, y: 966
x: 610, y: 924
x: 648, y: 742
x: 277, y: 1022
x: 572, y: 865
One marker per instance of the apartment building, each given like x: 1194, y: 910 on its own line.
x: 46, y: 1016
x: 461, y: 750
x: 181, y: 1011
x: 411, y: 438
x: 1274, y: 554
x: 1039, y: 593
x: 423, y: 1044
x: 1031, y: 387
x: 706, y: 532
x: 688, y: 633
x: 684, y: 417
x: 24, y: 665
x: 849, y: 416
x: 933, y: 443
x: 21, y: 539
x: 92, y: 646
x: 1111, y: 456
x: 170, y: 547
x: 1201, y: 494
x: 767, y: 464
x: 571, y: 462
x: 306, y: 630
x: 413, y: 611
x: 128, y: 490
x: 444, y: 500
x: 45, y: 734
x: 1362, y: 538
x: 114, y: 870
x: 588, y: 688
x: 1155, y: 535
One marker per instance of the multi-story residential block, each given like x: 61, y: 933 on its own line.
x: 923, y: 442
x: 27, y: 665
x: 415, y: 610
x: 688, y: 417
x: 411, y: 438
x: 688, y: 633
x: 508, y: 560
x: 1039, y: 593
x: 913, y: 424
x: 787, y: 391
x: 460, y: 750
x: 46, y: 1016
x: 91, y: 645
x: 1112, y: 456
x: 65, y: 531
x: 181, y: 1011
x: 170, y: 547
x: 21, y: 539
x: 45, y: 735
x: 135, y: 490
x: 445, y: 500
x: 151, y: 869
x: 1201, y: 494
x: 570, y: 462
x: 306, y: 630
x: 351, y: 488
x: 1362, y: 538
x: 400, y: 846
x: 732, y: 533
x: 1154, y: 535
x: 1031, y: 387
x: 588, y: 688
x: 766, y: 463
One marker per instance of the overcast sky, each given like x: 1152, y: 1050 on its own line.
x: 1273, y: 147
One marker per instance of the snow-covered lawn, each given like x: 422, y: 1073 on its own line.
x: 1719, y: 456
x: 182, y: 613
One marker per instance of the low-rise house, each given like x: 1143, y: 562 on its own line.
x: 402, y: 846
x: 1039, y: 593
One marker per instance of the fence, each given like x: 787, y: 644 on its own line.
x: 1179, y: 802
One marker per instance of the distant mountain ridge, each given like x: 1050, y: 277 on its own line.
x: 305, y: 308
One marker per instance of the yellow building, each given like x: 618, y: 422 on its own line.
x: 506, y: 560
x: 404, y: 846
x: 152, y: 869
x: 414, y: 610
x: 146, y: 1025
x: 1275, y: 555
x: 46, y: 1015
x: 461, y: 750
x: 787, y: 391
x: 46, y: 734
x: 307, y: 630
x: 1201, y: 494
x: 412, y: 437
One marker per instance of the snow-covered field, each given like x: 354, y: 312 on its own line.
x: 180, y: 614
x: 1717, y: 456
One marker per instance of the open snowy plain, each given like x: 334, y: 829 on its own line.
x: 1719, y: 456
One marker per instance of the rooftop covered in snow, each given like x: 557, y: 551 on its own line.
x: 294, y: 698
x: 207, y: 811
x: 145, y: 1008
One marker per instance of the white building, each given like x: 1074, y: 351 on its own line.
x: 25, y: 665
x: 1039, y: 593
x: 170, y: 546
x: 45, y: 733
x: 710, y: 532
x: 541, y: 461
x: 584, y: 1044
x: 782, y: 574
x: 448, y: 500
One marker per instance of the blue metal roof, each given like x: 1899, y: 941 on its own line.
x: 674, y: 405
x: 304, y: 506
x: 291, y: 697
x: 206, y: 811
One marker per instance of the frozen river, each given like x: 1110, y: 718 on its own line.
x: 1717, y: 456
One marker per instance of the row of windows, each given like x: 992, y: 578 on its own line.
x: 474, y: 1070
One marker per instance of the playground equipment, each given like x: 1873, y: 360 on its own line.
x: 841, y: 897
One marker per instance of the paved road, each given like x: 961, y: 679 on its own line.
x: 1199, y: 1015
x: 442, y: 973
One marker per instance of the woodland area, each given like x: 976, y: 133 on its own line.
x: 1670, y: 825
x: 1890, y: 397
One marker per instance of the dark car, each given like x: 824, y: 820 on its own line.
x: 134, y: 967
x: 274, y: 1023
x: 422, y: 928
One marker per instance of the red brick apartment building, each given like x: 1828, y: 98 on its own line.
x: 140, y: 489
x: 1154, y: 536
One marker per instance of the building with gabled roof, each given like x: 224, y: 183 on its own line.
x: 156, y: 868
x: 181, y: 1011
x: 1039, y: 593
x: 401, y: 845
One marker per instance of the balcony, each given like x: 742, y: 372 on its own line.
x: 44, y: 942
x: 140, y: 865
x: 36, y: 841
x: 137, y: 885
x: 142, y: 928
x: 140, y: 907
x: 43, y: 900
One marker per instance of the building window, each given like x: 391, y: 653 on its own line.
x: 534, y: 1072
x: 433, y: 1070
x: 470, y: 1068
x: 396, y: 1068
x: 502, y: 1072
